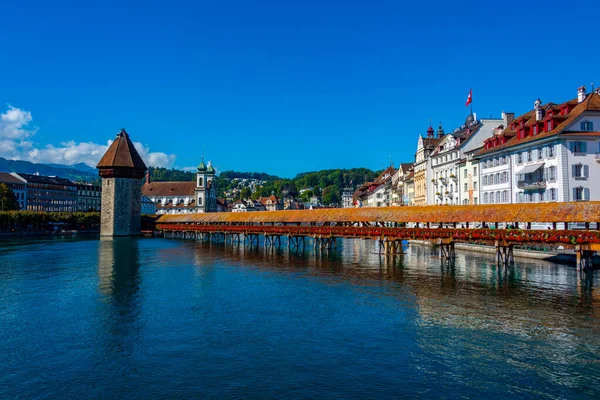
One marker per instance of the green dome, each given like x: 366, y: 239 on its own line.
x: 210, y: 169
x: 202, y: 166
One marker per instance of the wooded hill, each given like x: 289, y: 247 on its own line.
x: 328, y: 184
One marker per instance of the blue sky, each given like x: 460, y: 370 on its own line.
x: 277, y: 87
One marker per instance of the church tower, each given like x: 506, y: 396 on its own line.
x: 206, y: 198
x: 121, y: 169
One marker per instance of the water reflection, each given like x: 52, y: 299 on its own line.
x: 119, y: 282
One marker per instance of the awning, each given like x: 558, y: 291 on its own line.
x: 530, y: 168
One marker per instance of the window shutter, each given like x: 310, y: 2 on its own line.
x: 583, y: 147
x: 586, y: 171
x: 545, y: 176
x: 586, y: 194
x: 574, y: 194
x: 574, y: 170
x: 572, y: 147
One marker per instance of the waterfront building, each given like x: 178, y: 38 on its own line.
x: 18, y: 185
x: 550, y: 153
x: 446, y: 184
x: 121, y: 169
x: 89, y: 197
x: 347, y: 198
x: 409, y: 187
x: 425, y: 146
x: 49, y: 193
x: 469, y: 184
x: 377, y: 193
x: 184, y: 197
x: 398, y: 195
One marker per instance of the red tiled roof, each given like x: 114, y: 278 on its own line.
x: 122, y: 153
x: 591, y: 102
x: 169, y: 189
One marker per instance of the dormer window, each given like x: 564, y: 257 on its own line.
x: 587, y: 126
x: 550, y: 125
x: 535, y: 130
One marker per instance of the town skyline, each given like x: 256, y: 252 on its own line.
x: 282, y: 92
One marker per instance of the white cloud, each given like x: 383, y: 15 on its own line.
x: 15, y: 144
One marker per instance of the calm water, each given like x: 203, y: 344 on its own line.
x: 154, y: 318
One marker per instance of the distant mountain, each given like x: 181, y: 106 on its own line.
x: 79, y: 167
x: 77, y: 172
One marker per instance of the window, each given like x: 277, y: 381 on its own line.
x: 519, y: 158
x: 542, y: 195
x: 474, y: 185
x: 505, y: 196
x: 550, y: 125
x: 540, y: 154
x: 474, y: 200
x: 587, y: 126
x: 578, y: 147
x: 466, y: 187
x: 552, y: 173
x: 465, y: 173
x: 535, y: 129
x: 485, y: 198
x: 530, y: 156
x: 581, y: 194
x: 581, y: 171
x: 552, y: 194
x: 485, y: 180
x: 498, y: 197
x: 474, y: 171
x: 551, y: 151
x: 495, y: 162
x: 497, y: 180
x: 505, y: 177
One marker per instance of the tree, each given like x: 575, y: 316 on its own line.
x: 245, y: 193
x: 8, y: 200
x: 331, y: 195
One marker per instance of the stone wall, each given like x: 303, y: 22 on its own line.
x: 121, y: 207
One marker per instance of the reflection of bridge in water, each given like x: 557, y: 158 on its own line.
x: 389, y: 226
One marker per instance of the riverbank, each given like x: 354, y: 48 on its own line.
x: 559, y: 257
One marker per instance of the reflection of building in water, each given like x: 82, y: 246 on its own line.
x: 119, y: 281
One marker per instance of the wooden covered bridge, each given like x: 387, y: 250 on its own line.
x: 573, y: 225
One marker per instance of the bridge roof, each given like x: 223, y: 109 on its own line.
x: 546, y: 212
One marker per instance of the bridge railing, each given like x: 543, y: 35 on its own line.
x: 566, y: 238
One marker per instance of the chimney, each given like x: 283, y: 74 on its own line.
x: 147, y: 177
x: 507, y: 118
x: 580, y: 94
x: 539, y: 111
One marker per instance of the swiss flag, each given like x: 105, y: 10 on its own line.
x: 470, y: 98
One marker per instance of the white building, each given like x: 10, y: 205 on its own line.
x: 184, y: 197
x: 549, y: 154
x: 446, y: 185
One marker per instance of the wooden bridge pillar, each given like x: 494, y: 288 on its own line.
x: 504, y: 253
x: 584, y: 258
x: 447, y: 252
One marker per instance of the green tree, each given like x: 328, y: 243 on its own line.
x: 245, y: 193
x: 8, y: 200
x: 331, y: 195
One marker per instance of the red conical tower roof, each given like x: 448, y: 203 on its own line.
x: 121, y: 160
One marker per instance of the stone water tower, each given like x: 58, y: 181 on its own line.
x: 121, y: 169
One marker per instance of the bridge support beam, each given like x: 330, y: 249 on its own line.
x: 504, y: 253
x: 390, y: 247
x: 251, y: 240
x: 447, y: 252
x: 584, y: 258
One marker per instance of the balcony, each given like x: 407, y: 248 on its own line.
x: 444, y: 181
x: 531, y: 185
x: 454, y: 178
x: 449, y: 195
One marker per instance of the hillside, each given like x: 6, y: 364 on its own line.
x: 77, y: 172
